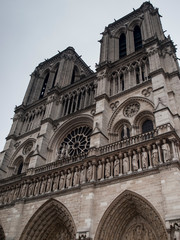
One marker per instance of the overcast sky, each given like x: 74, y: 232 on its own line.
x: 32, y: 30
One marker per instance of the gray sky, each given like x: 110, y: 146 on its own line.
x: 32, y: 30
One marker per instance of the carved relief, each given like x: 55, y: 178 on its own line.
x: 139, y: 231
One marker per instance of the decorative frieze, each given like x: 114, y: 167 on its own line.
x: 115, y: 163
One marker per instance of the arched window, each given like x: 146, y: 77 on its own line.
x: 44, y: 86
x: 137, y: 38
x: 147, y: 126
x: 55, y: 76
x: 19, y: 171
x: 75, y: 75
x: 122, y: 45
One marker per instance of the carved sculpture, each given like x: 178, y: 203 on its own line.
x: 99, y: 171
x: 83, y: 176
x: 107, y: 169
x: 144, y: 157
x: 155, y: 155
x: 62, y: 181
x: 69, y: 179
x: 125, y: 163
x: 116, y: 166
x: 55, y: 183
x: 76, y: 177
x: 89, y: 172
x: 135, y: 161
x: 166, y: 151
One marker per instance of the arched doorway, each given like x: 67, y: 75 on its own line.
x: 131, y: 217
x: 52, y: 221
x: 2, y: 235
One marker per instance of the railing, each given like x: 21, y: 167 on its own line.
x: 122, y: 159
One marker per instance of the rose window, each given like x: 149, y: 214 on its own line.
x: 131, y: 109
x: 76, y: 142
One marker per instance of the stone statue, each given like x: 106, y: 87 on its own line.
x: 43, y: 186
x: 30, y: 189
x: 144, y: 157
x: 62, y: 181
x: 16, y: 192
x: 82, y: 177
x: 69, y: 179
x: 24, y: 190
x: 135, y: 161
x: 76, y: 177
x: 99, y: 171
x: 63, y: 150
x: 107, y: 169
x: 36, y: 189
x: 166, y: 151
x: 48, y: 187
x: 116, y: 166
x: 125, y: 163
x: 89, y: 172
x: 155, y: 155
x: 55, y: 183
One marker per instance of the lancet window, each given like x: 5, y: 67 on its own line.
x: 75, y: 75
x: 32, y: 119
x: 137, y: 38
x: 77, y: 100
x: 54, y: 79
x: 44, y: 86
x: 129, y: 76
x: 122, y: 45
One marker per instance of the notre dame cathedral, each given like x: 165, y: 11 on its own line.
x: 96, y: 155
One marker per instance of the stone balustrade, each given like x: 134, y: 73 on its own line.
x: 112, y: 164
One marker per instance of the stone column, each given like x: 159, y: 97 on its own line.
x: 121, y: 164
x: 103, y: 165
x: 112, y: 166
x: 173, y: 149
x: 94, y: 171
x: 130, y: 162
x: 139, y: 156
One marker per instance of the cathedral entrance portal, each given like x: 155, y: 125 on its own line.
x: 131, y: 217
x: 52, y: 221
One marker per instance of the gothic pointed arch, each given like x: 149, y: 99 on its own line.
x: 52, y: 221
x: 2, y: 235
x: 131, y: 216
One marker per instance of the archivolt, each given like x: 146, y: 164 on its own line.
x: 51, y: 221
x: 120, y: 213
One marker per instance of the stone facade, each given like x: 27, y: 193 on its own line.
x: 95, y: 155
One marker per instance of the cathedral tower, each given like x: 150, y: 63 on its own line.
x: 95, y: 155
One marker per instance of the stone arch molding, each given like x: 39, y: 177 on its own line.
x: 52, y: 221
x: 116, y: 115
x: 64, y: 129
x: 131, y: 217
